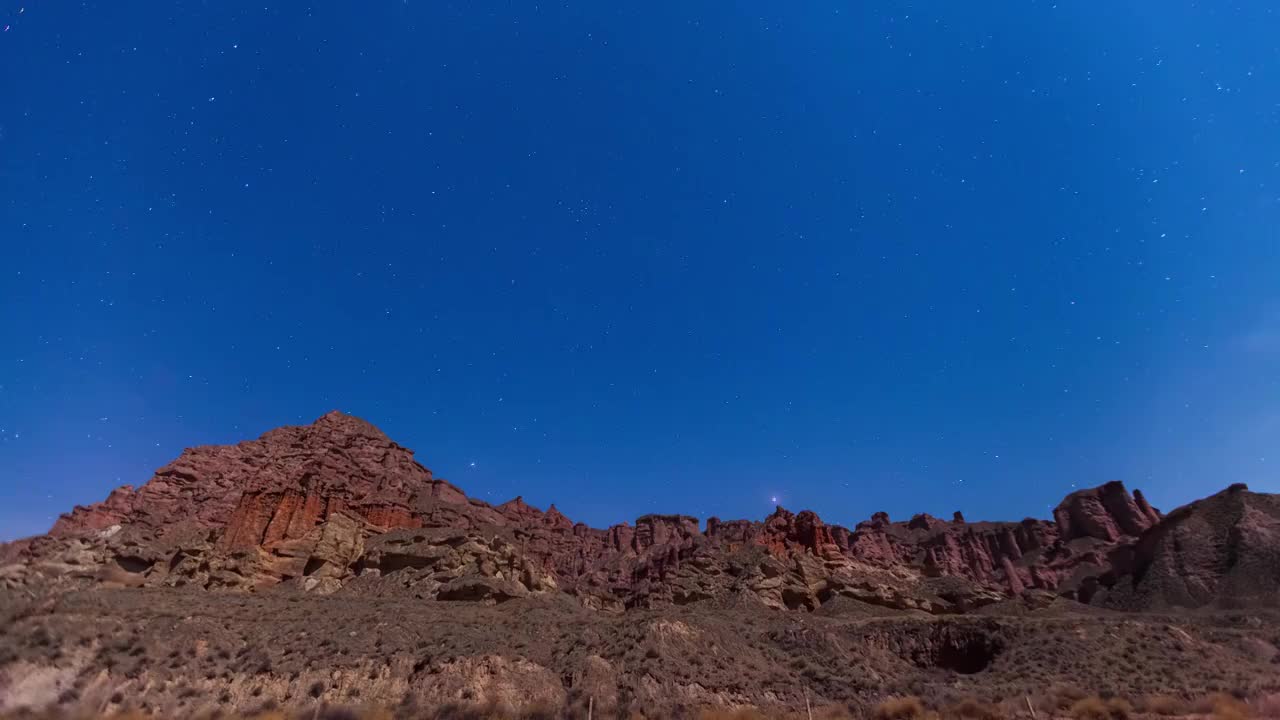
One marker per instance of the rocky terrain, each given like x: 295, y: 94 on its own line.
x: 322, y: 565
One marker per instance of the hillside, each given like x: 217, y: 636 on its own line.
x: 324, y: 563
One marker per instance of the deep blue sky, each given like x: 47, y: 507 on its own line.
x: 648, y: 256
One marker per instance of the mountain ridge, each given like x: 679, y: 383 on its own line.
x: 323, y: 564
x: 337, y: 505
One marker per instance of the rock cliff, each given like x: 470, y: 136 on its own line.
x: 337, y: 506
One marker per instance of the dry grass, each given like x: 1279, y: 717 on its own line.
x: 1226, y: 707
x: 1095, y: 708
x: 1163, y: 705
x: 971, y: 709
x: 899, y: 708
x: 1059, y: 698
x: 1221, y: 706
x: 1090, y: 708
x: 473, y: 711
x: 734, y: 714
x: 1119, y: 708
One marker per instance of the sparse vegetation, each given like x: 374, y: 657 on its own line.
x: 899, y: 708
x: 1163, y: 705
x: 1221, y: 706
x: 735, y: 714
x: 266, y: 651
x: 1096, y: 708
x: 971, y: 709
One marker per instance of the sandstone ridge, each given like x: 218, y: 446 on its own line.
x: 338, y: 507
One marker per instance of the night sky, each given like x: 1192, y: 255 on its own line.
x: 634, y: 257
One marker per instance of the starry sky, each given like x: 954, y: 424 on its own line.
x: 634, y: 257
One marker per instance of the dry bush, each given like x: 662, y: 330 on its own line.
x: 544, y: 711
x: 731, y: 714
x: 1061, y: 697
x: 1164, y: 705
x: 905, y: 708
x: 1090, y: 708
x: 1229, y: 708
x: 971, y: 709
x: 1119, y: 709
x: 1232, y: 712
x: 1221, y: 706
x: 1095, y: 708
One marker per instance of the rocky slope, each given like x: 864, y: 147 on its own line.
x: 182, y: 653
x: 323, y: 565
x: 338, y: 506
x: 1223, y: 550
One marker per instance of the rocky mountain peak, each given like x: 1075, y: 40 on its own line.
x: 338, y: 422
x: 337, y: 502
x: 338, y: 456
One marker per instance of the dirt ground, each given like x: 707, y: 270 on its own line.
x: 183, y: 653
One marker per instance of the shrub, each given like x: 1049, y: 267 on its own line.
x: 738, y: 714
x: 971, y: 709
x: 1119, y: 709
x: 1164, y: 705
x: 1226, y: 707
x: 1090, y: 708
x: 1222, y: 706
x: 1062, y: 697
x: 906, y: 708
x: 1095, y: 708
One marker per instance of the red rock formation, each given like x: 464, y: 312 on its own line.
x: 663, y: 530
x: 248, y: 523
x: 338, y: 456
x: 1011, y: 575
x: 1107, y: 512
x: 384, y: 516
x: 1222, y: 550
x: 733, y: 533
x: 924, y: 521
x: 785, y: 532
x: 555, y: 520
x: 277, y: 494
x: 870, y: 542
x: 621, y: 537
x: 117, y: 508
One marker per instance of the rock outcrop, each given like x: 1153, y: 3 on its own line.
x: 1223, y: 550
x: 275, y: 487
x: 1107, y: 512
x: 338, y: 507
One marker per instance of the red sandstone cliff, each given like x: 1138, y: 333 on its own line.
x: 337, y: 502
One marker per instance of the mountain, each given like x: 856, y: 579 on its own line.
x: 324, y: 564
x: 338, y: 506
x: 1223, y: 550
